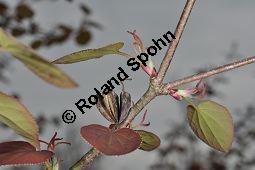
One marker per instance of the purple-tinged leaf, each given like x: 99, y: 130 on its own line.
x: 22, y: 153
x: 110, y: 142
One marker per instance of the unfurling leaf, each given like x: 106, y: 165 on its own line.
x: 109, y: 106
x: 90, y: 54
x: 212, y: 123
x: 150, y: 141
x: 42, y: 68
x: 17, y: 117
x: 125, y: 104
x: 22, y: 153
x: 139, y: 48
x: 109, y: 142
x: 114, y: 108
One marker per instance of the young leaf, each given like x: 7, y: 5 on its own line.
x: 17, y: 117
x: 114, y: 108
x: 212, y: 123
x: 111, y: 101
x: 119, y: 142
x: 125, y: 104
x: 42, y: 68
x: 90, y: 54
x: 22, y: 153
x: 109, y: 106
x: 150, y: 141
x: 139, y: 48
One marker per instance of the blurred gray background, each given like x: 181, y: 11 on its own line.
x: 209, y: 36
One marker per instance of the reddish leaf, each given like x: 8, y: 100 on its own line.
x: 119, y: 142
x: 22, y: 153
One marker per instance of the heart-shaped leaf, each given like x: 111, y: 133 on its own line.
x: 22, y: 153
x: 42, y: 68
x: 212, y: 123
x: 150, y: 141
x: 90, y: 54
x: 109, y: 142
x: 17, y: 117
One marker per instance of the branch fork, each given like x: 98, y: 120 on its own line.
x: 157, y: 87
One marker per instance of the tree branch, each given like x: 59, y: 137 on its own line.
x: 154, y: 87
x: 155, y: 90
x: 212, y: 72
x: 134, y: 111
x: 85, y: 161
x: 174, y: 43
x: 150, y: 94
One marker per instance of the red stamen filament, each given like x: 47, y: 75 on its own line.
x: 53, y: 142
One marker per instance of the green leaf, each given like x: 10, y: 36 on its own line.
x: 212, y: 123
x: 42, y: 68
x: 149, y: 142
x: 17, y: 117
x: 90, y: 54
